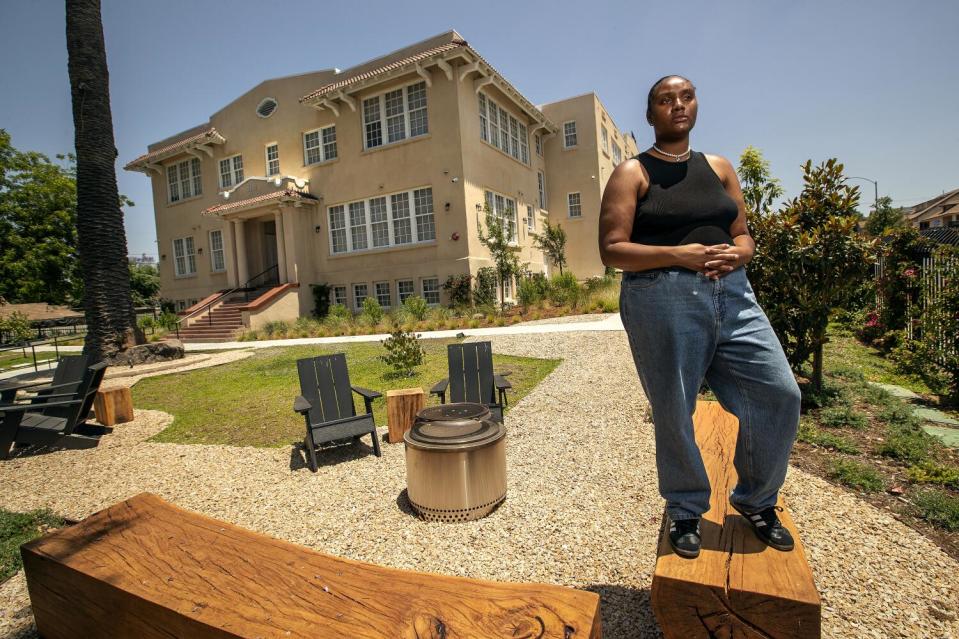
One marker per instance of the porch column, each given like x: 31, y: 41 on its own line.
x: 280, y: 247
x: 242, y: 266
x: 292, y: 271
x: 229, y: 255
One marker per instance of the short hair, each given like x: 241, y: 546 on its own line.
x: 652, y: 90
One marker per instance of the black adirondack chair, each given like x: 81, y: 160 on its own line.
x: 66, y: 377
x: 326, y: 403
x: 471, y: 378
x: 58, y: 420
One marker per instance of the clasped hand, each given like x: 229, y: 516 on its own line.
x: 712, y: 261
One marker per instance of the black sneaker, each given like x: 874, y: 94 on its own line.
x: 684, y: 537
x: 768, y: 528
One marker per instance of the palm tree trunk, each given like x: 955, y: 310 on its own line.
x: 111, y: 320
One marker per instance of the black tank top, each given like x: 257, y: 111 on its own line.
x: 686, y: 203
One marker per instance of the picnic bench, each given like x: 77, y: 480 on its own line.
x: 737, y: 587
x: 145, y: 568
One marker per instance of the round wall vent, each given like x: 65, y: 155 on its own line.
x: 266, y: 107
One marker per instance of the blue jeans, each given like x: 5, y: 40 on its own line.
x: 683, y: 327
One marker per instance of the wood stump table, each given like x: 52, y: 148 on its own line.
x: 401, y: 408
x: 114, y: 406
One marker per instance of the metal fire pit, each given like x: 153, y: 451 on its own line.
x: 455, y: 462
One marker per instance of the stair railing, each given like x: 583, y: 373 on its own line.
x: 246, y: 287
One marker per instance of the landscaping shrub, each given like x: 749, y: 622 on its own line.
x: 564, y: 289
x: 938, y: 508
x: 908, y: 443
x: 842, y: 417
x: 856, y: 475
x: 934, y: 473
x: 167, y: 320
x: 532, y: 289
x: 831, y: 394
x: 340, y: 312
x: 275, y: 329
x: 416, y: 307
x: 485, y: 292
x: 321, y: 299
x: 403, y: 352
x: 372, y: 311
x: 458, y: 288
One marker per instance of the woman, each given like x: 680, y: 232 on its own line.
x: 674, y: 221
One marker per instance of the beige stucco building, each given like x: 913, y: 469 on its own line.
x: 372, y: 180
x: 940, y: 211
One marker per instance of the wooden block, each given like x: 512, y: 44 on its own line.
x: 401, y: 408
x: 147, y: 569
x: 737, y: 587
x: 114, y: 406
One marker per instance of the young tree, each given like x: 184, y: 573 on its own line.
x: 108, y: 306
x: 810, y: 260
x: 144, y: 284
x: 504, y: 255
x: 552, y: 242
x: 759, y: 187
x: 885, y: 216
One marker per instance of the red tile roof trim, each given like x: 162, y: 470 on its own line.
x: 286, y: 194
x: 210, y: 136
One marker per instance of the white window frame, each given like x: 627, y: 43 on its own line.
x: 402, y: 296
x: 604, y: 135
x: 325, y: 145
x: 266, y: 152
x: 493, y: 200
x: 507, y: 287
x: 617, y: 154
x: 388, y: 294
x: 180, y: 305
x: 343, y: 299
x: 217, y: 251
x: 191, y: 181
x: 420, y: 215
x: 579, y: 205
x: 541, y: 187
x: 513, y: 139
x: 187, y: 253
x: 423, y: 290
x: 567, y: 135
x: 539, y: 144
x: 530, y: 218
x: 234, y: 170
x: 383, y: 120
x: 358, y: 305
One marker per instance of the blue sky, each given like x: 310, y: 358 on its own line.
x: 873, y: 83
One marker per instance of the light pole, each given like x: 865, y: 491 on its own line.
x: 874, y: 183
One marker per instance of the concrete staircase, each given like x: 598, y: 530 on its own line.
x: 222, y: 324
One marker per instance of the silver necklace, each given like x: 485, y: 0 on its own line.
x: 673, y: 155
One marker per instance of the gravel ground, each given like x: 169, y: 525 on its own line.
x: 582, y: 509
x: 569, y: 319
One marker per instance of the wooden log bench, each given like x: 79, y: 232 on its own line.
x: 147, y: 569
x: 737, y: 587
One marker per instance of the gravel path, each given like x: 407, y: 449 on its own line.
x: 569, y: 319
x: 582, y: 509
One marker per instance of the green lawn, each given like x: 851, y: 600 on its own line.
x: 250, y: 402
x: 14, y: 357
x: 19, y: 528
x: 843, y: 350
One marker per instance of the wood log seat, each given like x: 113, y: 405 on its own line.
x: 147, y: 569
x: 737, y: 587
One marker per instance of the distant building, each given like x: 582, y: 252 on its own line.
x: 372, y: 180
x: 143, y: 259
x: 940, y: 211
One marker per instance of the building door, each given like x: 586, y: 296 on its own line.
x: 270, y: 259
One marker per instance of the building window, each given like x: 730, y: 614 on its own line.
x: 539, y: 145
x: 382, y: 290
x: 431, y: 290
x: 272, y: 160
x: 575, y: 205
x: 404, y: 289
x: 360, y: 293
x: 604, y: 134
x: 504, y: 209
x: 231, y: 171
x: 400, y: 112
x: 530, y: 219
x: 319, y: 145
x: 503, y: 130
x: 617, y: 155
x: 541, y: 183
x: 180, y: 305
x: 217, y: 261
x: 390, y: 220
x: 183, y: 180
x: 569, y: 134
x: 508, y: 288
x: 184, y: 256
x: 937, y: 221
x: 339, y: 295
